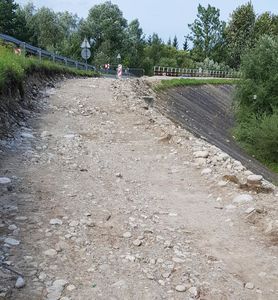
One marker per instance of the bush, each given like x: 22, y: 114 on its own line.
x: 259, y: 68
x: 260, y: 136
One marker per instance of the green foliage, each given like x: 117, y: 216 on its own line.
x: 172, y: 83
x: 8, y: 20
x: 240, y: 33
x: 14, y: 68
x: 259, y: 136
x: 175, y: 42
x: 207, y: 33
x: 257, y: 102
x: 259, y: 89
x: 209, y: 64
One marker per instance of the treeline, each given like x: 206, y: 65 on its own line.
x: 211, y: 43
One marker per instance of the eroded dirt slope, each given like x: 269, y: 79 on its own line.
x: 109, y: 200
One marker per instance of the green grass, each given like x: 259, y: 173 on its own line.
x: 172, y: 83
x: 14, y: 68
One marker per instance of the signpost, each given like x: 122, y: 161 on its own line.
x: 86, y: 53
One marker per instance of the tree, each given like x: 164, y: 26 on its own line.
x: 175, y: 42
x: 9, y: 22
x: 240, y: 33
x: 206, y: 33
x: 106, y: 24
x: 259, y: 68
x: 169, y: 43
x: 185, y: 44
x: 266, y: 23
x: 134, y: 48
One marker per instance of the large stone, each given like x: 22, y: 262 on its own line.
x: 55, y: 291
x: 12, y: 242
x: 20, y: 283
x: 27, y: 135
x: 201, y: 154
x: 5, y: 180
x: 56, y: 222
x: 242, y: 198
x: 181, y: 288
x: 255, y: 180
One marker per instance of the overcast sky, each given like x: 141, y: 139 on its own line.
x: 166, y: 18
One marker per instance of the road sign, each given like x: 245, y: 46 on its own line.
x: 85, y: 44
x: 86, y: 53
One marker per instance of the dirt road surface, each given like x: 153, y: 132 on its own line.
x: 110, y: 200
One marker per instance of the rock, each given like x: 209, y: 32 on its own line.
x: 127, y: 235
x: 56, y: 222
x: 5, y: 180
x: 119, y: 175
x: 12, y: 242
x: 12, y: 227
x: 223, y: 156
x: 242, y: 198
x: 255, y: 180
x: 178, y: 260
x: 222, y: 183
x: 201, y: 154
x: 200, y: 161
x: 249, y: 210
x: 73, y: 223
x: 20, y: 283
x: 26, y: 135
x: 272, y: 228
x: 45, y: 134
x: 71, y: 287
x: 50, y: 252
x: 137, y: 243
x: 180, y: 288
x: 56, y: 289
x: 193, y: 291
x: 206, y: 171
x: 249, y: 285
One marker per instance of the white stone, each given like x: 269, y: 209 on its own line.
x: 20, y: 283
x: 12, y: 242
x: 201, y: 154
x: 5, y: 180
x: 137, y: 243
x: 242, y: 198
x: 73, y: 223
x: 127, y: 235
x: 254, y: 179
x: 27, y: 135
x: 71, y: 287
x: 50, y: 252
x: 12, y: 227
x: 56, y: 222
x: 55, y: 291
x: 193, y: 291
x: 181, y: 288
x: 206, y: 171
x: 45, y: 134
x: 250, y: 285
x: 223, y: 156
x: 249, y: 210
x: 178, y: 260
x: 222, y: 183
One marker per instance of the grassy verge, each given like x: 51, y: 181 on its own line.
x: 14, y: 68
x: 172, y: 83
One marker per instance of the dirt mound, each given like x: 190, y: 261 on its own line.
x: 206, y: 111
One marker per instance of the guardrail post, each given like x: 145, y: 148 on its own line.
x: 40, y: 54
x: 66, y: 62
x: 53, y: 57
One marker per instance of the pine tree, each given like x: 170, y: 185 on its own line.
x: 175, y: 42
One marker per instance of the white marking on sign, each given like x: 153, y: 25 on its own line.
x: 85, y: 44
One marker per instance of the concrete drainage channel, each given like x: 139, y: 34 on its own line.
x: 206, y: 111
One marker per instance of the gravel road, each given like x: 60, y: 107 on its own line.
x: 105, y: 198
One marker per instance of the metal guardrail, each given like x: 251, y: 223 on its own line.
x: 27, y: 48
x: 178, y: 72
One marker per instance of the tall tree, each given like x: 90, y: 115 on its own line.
x: 169, y: 43
x: 107, y: 26
x: 185, y: 44
x: 8, y: 17
x: 206, y: 33
x: 175, y: 42
x: 240, y: 33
